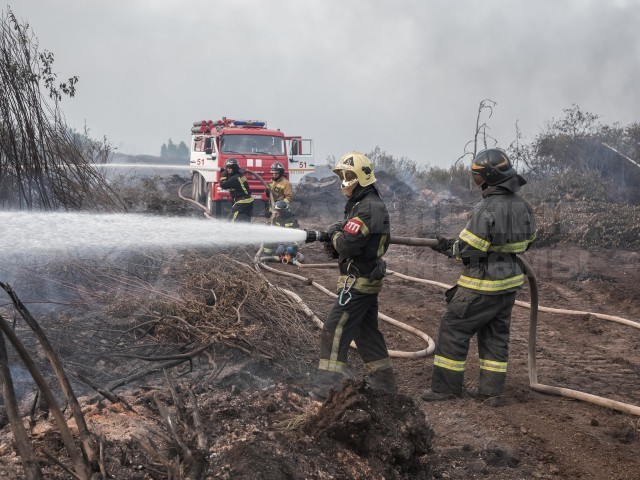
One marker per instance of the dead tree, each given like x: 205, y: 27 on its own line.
x: 481, y: 134
x: 81, y: 469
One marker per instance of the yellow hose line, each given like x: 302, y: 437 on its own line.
x: 418, y: 280
x: 534, y: 385
x: 191, y: 201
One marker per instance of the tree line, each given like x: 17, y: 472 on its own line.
x: 171, y: 150
x: 575, y: 156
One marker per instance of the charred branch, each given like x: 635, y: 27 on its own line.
x: 29, y: 459
x: 81, y: 469
x: 112, y: 397
x: 85, y: 436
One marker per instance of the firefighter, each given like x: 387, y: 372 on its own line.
x: 234, y: 180
x: 358, y: 242
x: 500, y: 226
x: 284, y: 218
x: 279, y: 186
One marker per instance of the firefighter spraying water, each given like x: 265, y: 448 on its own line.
x: 358, y: 242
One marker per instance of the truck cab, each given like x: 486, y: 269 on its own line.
x: 255, y: 147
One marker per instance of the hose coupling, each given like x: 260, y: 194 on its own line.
x: 315, y: 236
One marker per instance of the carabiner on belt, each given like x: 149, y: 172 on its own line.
x: 348, y: 283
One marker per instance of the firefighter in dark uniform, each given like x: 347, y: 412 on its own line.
x: 284, y: 218
x: 501, y: 226
x: 234, y: 180
x: 358, y: 242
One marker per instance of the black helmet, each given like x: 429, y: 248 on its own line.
x: 281, y: 206
x: 232, y: 163
x: 277, y: 167
x: 493, y: 165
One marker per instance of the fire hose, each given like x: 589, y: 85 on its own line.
x: 313, y: 236
x: 392, y: 353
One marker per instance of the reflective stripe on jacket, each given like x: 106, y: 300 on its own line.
x: 500, y: 226
x: 281, y: 190
x: 238, y: 187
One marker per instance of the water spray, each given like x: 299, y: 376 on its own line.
x: 34, y: 233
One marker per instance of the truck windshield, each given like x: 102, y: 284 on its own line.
x: 248, y: 144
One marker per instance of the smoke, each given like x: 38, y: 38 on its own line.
x: 408, y: 75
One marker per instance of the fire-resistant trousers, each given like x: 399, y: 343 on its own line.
x: 357, y: 321
x: 469, y: 313
x: 241, y: 212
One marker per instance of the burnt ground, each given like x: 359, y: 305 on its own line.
x: 257, y: 421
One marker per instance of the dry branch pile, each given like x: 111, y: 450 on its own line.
x: 194, y: 300
x: 208, y: 309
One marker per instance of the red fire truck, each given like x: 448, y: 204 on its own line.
x: 254, y: 146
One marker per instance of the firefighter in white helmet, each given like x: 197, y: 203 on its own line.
x: 358, y: 242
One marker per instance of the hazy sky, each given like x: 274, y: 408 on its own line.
x: 406, y: 75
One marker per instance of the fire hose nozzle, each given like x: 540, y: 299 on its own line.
x: 315, y: 236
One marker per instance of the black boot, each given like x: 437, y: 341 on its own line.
x: 325, y: 382
x: 431, y: 396
x: 384, y: 379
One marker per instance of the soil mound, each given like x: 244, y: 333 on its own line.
x: 389, y: 431
x: 359, y: 433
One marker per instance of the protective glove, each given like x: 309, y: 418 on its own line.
x: 328, y: 246
x: 444, y: 244
x: 330, y: 250
x: 332, y: 229
x: 222, y: 169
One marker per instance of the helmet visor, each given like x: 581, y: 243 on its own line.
x: 348, y: 177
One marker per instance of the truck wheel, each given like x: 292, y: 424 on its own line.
x: 194, y: 186
x: 211, y: 208
x: 202, y: 192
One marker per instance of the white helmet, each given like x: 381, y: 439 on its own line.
x: 354, y: 168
